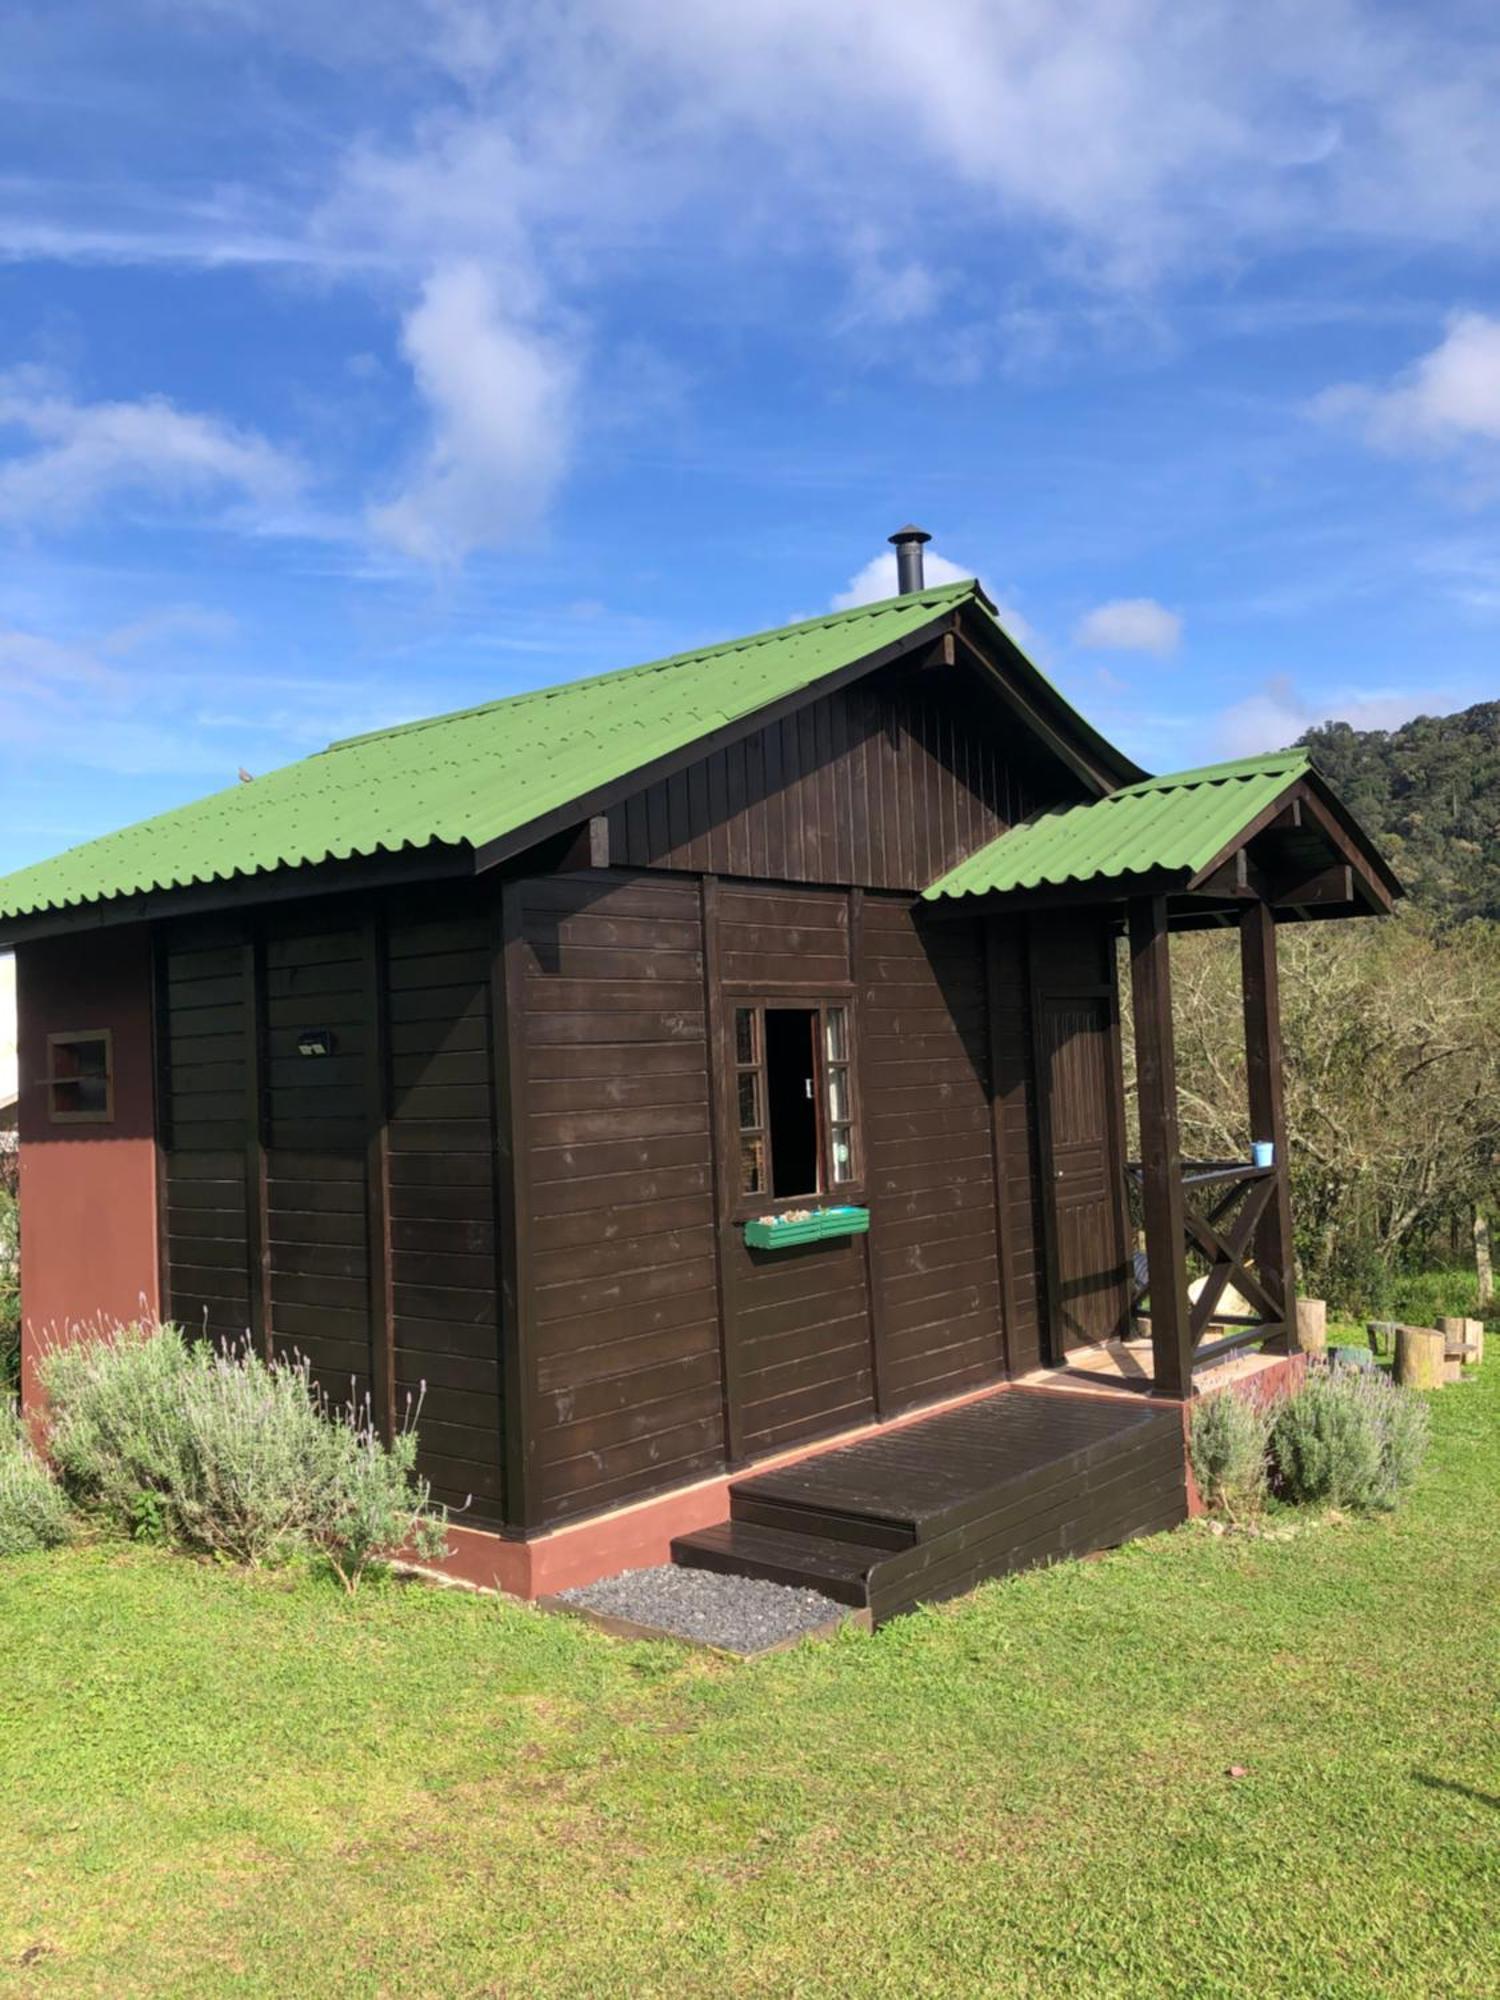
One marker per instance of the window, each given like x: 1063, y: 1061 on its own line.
x: 794, y: 1099
x: 80, y: 1078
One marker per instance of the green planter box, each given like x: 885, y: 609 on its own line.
x: 823, y: 1222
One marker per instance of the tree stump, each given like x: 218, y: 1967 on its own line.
x: 1420, y: 1352
x: 1458, y: 1335
x: 1476, y: 1342
x: 1312, y: 1326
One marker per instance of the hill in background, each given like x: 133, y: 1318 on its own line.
x: 1429, y: 792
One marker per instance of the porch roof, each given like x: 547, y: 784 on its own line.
x: 1174, y: 831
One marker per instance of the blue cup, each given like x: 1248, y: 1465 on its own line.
x: 1263, y: 1153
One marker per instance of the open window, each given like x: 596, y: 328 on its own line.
x: 81, y: 1077
x: 794, y: 1099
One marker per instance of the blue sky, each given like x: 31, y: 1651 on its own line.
x: 357, y: 363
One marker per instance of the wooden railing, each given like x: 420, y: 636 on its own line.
x: 1224, y: 1205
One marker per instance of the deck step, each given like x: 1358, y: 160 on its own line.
x: 808, y: 1562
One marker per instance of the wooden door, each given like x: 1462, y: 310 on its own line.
x: 1081, y: 1152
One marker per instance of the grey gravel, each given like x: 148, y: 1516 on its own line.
x: 741, y: 1613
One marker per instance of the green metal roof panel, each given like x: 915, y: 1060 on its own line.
x: 473, y: 776
x: 1177, y: 822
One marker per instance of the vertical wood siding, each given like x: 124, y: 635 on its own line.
x: 878, y: 785
x: 929, y: 1145
x: 623, y: 1359
x: 1018, y: 1133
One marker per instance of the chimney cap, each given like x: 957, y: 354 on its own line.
x: 909, y: 534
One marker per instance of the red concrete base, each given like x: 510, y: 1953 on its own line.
x: 1277, y: 1377
x: 635, y: 1537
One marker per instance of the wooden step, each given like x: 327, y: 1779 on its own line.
x: 808, y: 1562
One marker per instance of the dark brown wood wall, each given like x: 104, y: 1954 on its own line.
x: 796, y: 1322
x: 441, y: 1200
x: 925, y: 1072
x: 620, y: 1307
x: 204, y: 1015
x: 343, y: 1208
x: 884, y: 784
x: 1017, y: 1133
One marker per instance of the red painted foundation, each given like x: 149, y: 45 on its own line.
x: 88, y: 1191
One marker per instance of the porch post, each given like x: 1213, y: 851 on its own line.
x: 1161, y: 1148
x: 1262, y: 990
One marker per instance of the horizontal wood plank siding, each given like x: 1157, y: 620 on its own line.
x: 206, y: 1017
x: 799, y: 1325
x: 882, y: 785
x: 928, y: 1143
x: 313, y: 969
x: 624, y: 1387
x: 317, y: 976
x: 442, y: 1160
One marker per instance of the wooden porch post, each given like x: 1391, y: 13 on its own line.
x: 1262, y: 990
x: 1161, y: 1148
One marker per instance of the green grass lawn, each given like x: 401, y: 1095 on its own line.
x: 222, y: 1784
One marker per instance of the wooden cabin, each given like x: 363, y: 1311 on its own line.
x: 479, y: 1060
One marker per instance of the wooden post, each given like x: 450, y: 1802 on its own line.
x: 1420, y: 1357
x: 1262, y: 995
x: 1161, y: 1148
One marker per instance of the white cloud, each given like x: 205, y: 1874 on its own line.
x: 83, y: 454
x: 500, y: 398
x: 878, y: 579
x: 1278, y: 713
x: 1130, y: 625
x: 1448, y: 398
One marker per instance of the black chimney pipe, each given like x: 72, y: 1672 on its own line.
x: 908, y: 541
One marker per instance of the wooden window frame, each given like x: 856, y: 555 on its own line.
x: 819, y: 1001
x: 52, y: 1079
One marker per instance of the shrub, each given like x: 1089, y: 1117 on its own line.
x: 33, y: 1511
x: 1349, y: 1439
x: 1227, y: 1445
x: 225, y: 1453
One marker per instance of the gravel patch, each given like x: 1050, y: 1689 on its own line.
x: 741, y: 1613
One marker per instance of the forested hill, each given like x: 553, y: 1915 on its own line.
x: 1430, y: 794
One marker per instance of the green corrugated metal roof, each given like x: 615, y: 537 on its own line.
x: 1177, y: 822
x: 474, y: 776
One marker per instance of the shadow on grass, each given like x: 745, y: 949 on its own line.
x: 1462, y: 1791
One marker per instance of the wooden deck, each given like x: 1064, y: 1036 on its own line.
x: 930, y: 1510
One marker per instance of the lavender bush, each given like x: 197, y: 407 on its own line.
x: 219, y: 1451
x: 1349, y: 1440
x: 1227, y: 1444
x: 33, y: 1510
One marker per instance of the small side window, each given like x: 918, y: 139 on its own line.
x: 81, y: 1077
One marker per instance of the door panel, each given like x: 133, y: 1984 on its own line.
x: 1074, y: 1015
x: 1085, y: 1204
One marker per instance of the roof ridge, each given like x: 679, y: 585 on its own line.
x: 1262, y: 764
x: 935, y: 595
